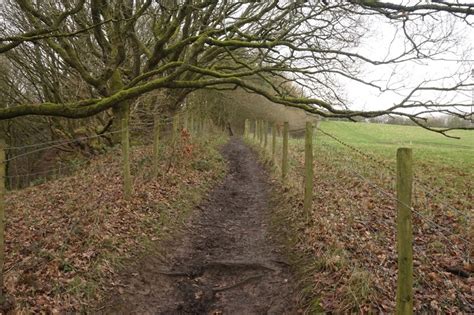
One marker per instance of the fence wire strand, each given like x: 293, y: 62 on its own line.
x: 419, y: 185
x: 60, y: 143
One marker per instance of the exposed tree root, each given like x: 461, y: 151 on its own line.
x: 238, y: 284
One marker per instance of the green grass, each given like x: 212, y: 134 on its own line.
x: 428, y: 146
x: 441, y: 164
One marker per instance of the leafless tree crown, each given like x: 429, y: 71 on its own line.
x: 77, y: 58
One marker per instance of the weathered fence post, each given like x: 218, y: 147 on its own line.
x: 208, y: 123
x: 260, y: 132
x: 249, y: 128
x: 2, y: 215
x: 265, y: 134
x: 175, y: 128
x: 203, y: 126
x: 254, y: 130
x: 308, y: 163
x: 404, y: 232
x: 191, y: 124
x: 185, y: 121
x: 176, y: 121
x: 156, y: 144
x: 274, y: 134
x: 246, y: 128
x: 284, y: 159
x: 198, y: 126
x: 125, y: 141
x: 257, y: 131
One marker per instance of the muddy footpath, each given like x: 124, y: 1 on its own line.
x: 223, y: 261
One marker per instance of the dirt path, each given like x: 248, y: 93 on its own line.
x: 224, y: 262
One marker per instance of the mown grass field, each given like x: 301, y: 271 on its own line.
x: 350, y: 239
x: 443, y: 166
x: 430, y: 147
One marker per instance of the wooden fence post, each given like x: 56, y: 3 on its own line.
x: 185, y: 121
x: 404, y: 232
x: 284, y: 160
x: 254, y: 130
x: 246, y: 128
x: 191, y: 124
x: 265, y: 134
x: 209, y: 125
x: 249, y: 128
x: 274, y: 134
x: 175, y: 127
x: 176, y: 121
x: 257, y: 126
x: 258, y: 130
x: 2, y: 214
x: 308, y: 163
x: 255, y: 135
x: 125, y: 141
x: 156, y: 144
x: 198, y: 126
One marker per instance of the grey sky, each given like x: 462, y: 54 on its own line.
x: 383, y: 41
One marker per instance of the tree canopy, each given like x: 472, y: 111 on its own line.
x: 78, y: 58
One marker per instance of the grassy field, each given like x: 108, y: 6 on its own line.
x: 427, y: 146
x: 350, y: 239
x: 441, y: 164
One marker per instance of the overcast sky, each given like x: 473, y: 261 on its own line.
x: 384, y: 41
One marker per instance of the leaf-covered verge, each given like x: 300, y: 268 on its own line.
x: 65, y: 239
x: 346, y: 252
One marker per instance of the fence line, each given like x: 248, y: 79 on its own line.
x: 380, y: 189
x: 419, y: 185
x: 394, y: 198
x: 419, y: 213
x: 451, y: 249
x: 63, y: 142
x: 59, y: 143
x: 52, y: 170
x: 126, y: 174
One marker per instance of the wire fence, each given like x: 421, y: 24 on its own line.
x: 391, y: 195
x: 61, y: 168
x: 419, y: 184
x: 355, y: 203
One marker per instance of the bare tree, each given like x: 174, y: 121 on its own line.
x: 118, y: 50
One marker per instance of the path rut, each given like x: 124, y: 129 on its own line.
x: 224, y: 261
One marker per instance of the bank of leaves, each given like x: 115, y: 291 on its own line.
x: 65, y: 239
